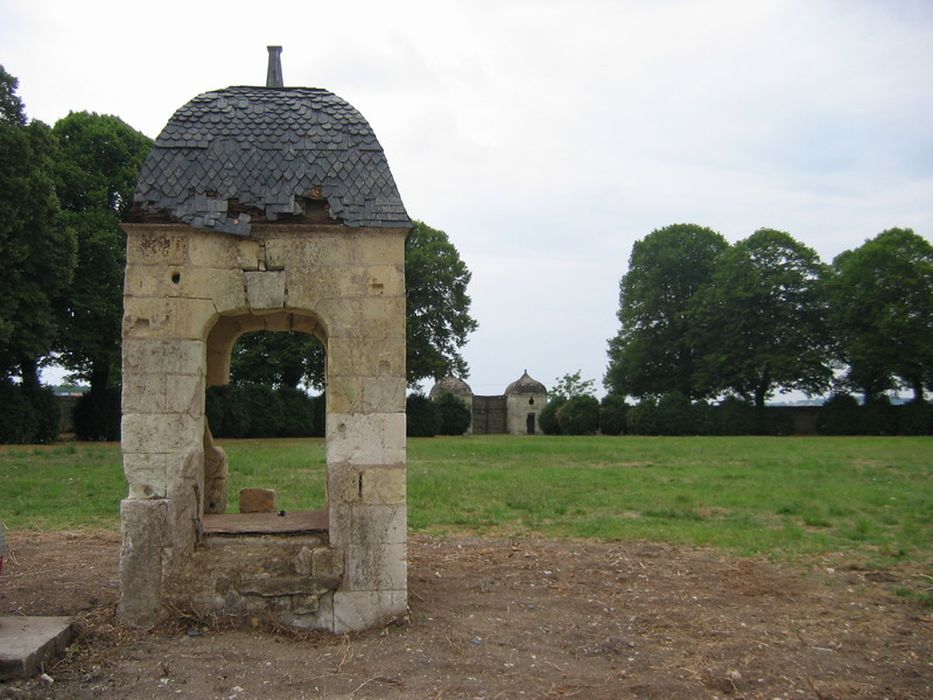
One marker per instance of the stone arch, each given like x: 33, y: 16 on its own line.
x: 230, y: 327
x: 189, y: 295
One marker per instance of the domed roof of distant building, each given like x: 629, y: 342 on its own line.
x: 265, y: 154
x: 525, y: 385
x: 450, y: 385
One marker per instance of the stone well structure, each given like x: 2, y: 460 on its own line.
x: 264, y: 208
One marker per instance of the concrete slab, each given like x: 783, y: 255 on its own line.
x: 26, y: 643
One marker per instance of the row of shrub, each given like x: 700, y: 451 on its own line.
x: 446, y: 415
x: 842, y: 415
x: 233, y: 411
x: 97, y: 415
x: 259, y: 411
x: 31, y: 415
x: 28, y: 415
x: 676, y: 414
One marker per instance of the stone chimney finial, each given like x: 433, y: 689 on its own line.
x: 274, y: 72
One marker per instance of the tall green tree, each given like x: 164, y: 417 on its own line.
x: 882, y: 313
x: 760, y: 323
x: 99, y: 161
x: 284, y: 359
x: 651, y: 354
x: 37, y: 248
x: 572, y: 385
x: 437, y: 314
x: 438, y: 306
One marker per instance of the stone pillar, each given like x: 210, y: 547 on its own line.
x: 366, y: 444
x: 163, y: 429
x: 216, y: 475
x: 163, y: 419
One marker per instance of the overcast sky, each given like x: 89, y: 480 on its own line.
x: 547, y: 136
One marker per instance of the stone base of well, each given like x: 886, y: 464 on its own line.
x: 287, y: 578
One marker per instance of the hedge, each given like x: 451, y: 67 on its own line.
x: 423, y: 416
x: 27, y: 415
x: 547, y: 419
x: 579, y: 416
x: 259, y: 411
x: 455, y: 417
x: 97, y: 414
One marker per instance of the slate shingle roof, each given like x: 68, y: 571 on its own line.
x: 270, y: 150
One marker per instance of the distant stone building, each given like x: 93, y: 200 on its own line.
x: 457, y: 387
x: 525, y: 398
x: 515, y: 412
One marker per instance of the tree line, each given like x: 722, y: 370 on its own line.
x: 699, y: 317
x: 63, y: 192
x: 705, y: 319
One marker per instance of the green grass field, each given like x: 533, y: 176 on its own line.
x: 870, y: 498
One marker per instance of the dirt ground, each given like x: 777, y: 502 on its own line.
x: 507, y: 619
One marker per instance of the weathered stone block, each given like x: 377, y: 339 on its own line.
x: 276, y: 586
x: 376, y: 567
x: 320, y: 619
x: 216, y: 472
x: 303, y: 561
x: 382, y: 246
x: 146, y: 475
x: 347, y: 356
x: 156, y: 356
x: 366, y: 439
x: 161, y: 432
x: 334, y: 282
x: 344, y: 394
x: 29, y: 644
x: 153, y: 246
x: 265, y: 289
x: 222, y: 251
x: 314, y: 250
x: 145, y: 317
x: 342, y: 318
x: 143, y: 280
x: 225, y: 288
x: 327, y: 566
x: 163, y: 393
x: 145, y: 533
x: 383, y: 485
x: 357, y: 610
x: 383, y: 394
x: 257, y: 500
x: 386, y: 280
x: 340, y: 519
x: 185, y: 504
x: 344, y: 485
x: 305, y: 604
x: 384, y: 524
x: 382, y: 315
